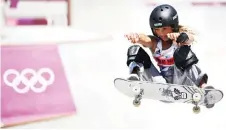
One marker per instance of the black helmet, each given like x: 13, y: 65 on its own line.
x: 164, y: 15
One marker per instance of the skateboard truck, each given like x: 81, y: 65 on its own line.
x: 138, y: 92
x: 196, y: 98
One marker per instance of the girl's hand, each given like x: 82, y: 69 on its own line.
x: 173, y: 36
x: 133, y: 37
x: 179, y: 38
x: 183, y: 38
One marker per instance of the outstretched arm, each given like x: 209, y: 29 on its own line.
x: 143, y: 39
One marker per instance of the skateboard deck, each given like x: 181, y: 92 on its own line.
x: 168, y: 92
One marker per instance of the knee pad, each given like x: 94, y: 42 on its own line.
x: 184, y: 57
x: 137, y: 54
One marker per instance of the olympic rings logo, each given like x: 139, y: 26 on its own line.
x: 29, y: 83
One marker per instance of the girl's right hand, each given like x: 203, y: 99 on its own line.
x: 133, y: 37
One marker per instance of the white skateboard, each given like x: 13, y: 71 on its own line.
x: 169, y: 93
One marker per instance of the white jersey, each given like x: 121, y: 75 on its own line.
x: 164, y: 58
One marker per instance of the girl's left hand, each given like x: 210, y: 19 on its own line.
x: 179, y: 38
x: 182, y: 38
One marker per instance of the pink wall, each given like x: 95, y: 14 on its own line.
x: 34, y: 85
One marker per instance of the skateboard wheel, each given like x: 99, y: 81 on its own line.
x: 196, y: 109
x: 136, y: 103
x: 197, y: 97
x: 136, y: 90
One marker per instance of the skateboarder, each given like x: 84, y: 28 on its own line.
x: 170, y: 45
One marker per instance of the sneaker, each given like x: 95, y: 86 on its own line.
x: 134, y: 77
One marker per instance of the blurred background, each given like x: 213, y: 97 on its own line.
x: 89, y: 34
x: 108, y: 17
x: 111, y: 16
